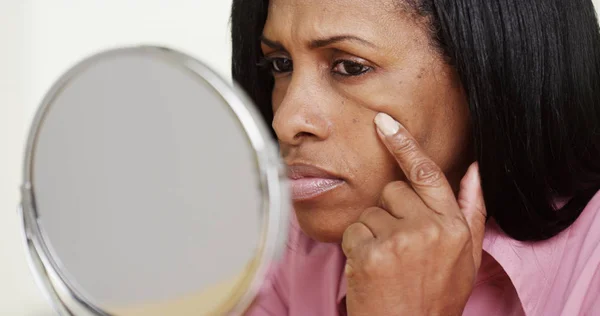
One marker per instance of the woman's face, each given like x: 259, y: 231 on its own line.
x: 336, y: 65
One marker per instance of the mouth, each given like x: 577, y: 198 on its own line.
x: 308, y: 182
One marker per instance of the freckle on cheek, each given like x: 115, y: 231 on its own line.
x: 421, y: 72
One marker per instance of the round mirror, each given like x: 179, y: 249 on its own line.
x: 151, y: 187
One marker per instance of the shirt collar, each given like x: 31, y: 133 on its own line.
x: 531, y: 266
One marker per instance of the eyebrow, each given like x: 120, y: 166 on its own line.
x: 270, y: 43
x: 319, y: 43
x: 339, y: 38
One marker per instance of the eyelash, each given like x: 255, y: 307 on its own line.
x: 268, y: 63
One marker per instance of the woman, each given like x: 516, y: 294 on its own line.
x: 398, y: 119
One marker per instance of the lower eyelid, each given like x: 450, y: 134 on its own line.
x: 349, y: 77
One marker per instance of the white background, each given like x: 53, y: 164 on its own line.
x: 40, y: 39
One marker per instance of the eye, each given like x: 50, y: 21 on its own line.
x: 278, y: 64
x: 349, y: 68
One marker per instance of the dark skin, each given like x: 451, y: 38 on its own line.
x: 401, y: 208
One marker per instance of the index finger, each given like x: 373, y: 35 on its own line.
x: 423, y: 174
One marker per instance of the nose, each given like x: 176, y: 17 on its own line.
x: 301, y: 114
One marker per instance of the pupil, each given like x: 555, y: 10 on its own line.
x: 353, y: 68
x: 282, y: 64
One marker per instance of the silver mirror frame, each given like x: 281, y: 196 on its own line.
x: 276, y: 204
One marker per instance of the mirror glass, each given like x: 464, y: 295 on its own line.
x: 148, y: 191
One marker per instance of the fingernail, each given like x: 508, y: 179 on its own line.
x: 348, y: 270
x: 386, y: 124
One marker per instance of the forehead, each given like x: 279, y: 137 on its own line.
x: 307, y: 19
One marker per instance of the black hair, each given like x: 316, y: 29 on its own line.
x: 531, y: 73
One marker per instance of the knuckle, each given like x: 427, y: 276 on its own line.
x: 459, y: 231
x: 346, y: 248
x: 397, y: 244
x: 348, y: 243
x: 350, y: 269
x: 394, y: 189
x: 366, y: 214
x: 425, y: 173
x: 404, y: 145
x: 373, y: 261
x: 431, y: 233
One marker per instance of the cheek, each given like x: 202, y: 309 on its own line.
x: 378, y: 169
x: 397, y: 93
x: 428, y: 101
x: 277, y: 96
x: 370, y: 162
x: 444, y: 119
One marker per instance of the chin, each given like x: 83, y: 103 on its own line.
x: 325, y: 224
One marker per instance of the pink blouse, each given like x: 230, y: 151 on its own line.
x: 560, y: 276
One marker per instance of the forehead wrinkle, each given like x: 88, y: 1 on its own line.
x: 296, y: 23
x: 314, y: 19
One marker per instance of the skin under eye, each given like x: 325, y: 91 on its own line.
x: 349, y: 68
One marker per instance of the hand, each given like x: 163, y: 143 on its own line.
x: 418, y: 252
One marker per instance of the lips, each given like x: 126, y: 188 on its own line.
x: 308, y: 182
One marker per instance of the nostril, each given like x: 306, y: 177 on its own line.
x: 303, y: 135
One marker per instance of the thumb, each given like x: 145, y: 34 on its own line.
x: 471, y: 203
